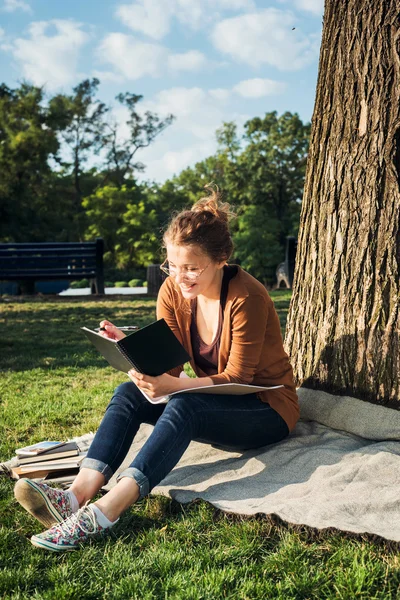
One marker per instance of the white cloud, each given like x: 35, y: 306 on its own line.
x: 4, y: 44
x: 220, y: 94
x: 191, y: 137
x: 314, y: 6
x: 13, y: 5
x: 161, y: 166
x: 196, y: 110
x: 151, y: 17
x: 131, y: 58
x: 107, y: 76
x: 49, y: 56
x: 266, y: 37
x: 257, y: 88
x: 187, y: 61
x: 154, y: 17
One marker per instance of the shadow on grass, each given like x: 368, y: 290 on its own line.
x: 47, y: 335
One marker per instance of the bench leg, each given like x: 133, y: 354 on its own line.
x: 97, y: 286
x: 26, y: 287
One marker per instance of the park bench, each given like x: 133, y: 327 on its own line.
x: 285, y: 270
x: 30, y: 262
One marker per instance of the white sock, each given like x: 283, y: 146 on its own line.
x: 101, y: 517
x: 73, y: 500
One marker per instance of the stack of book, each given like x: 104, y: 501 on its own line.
x: 48, y: 460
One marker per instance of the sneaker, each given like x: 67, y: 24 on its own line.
x: 71, y: 533
x: 48, y: 505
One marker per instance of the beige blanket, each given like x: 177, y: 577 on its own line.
x: 339, y: 468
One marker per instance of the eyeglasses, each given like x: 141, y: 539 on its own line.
x: 189, y: 273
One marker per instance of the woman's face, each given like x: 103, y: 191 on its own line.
x: 196, y: 273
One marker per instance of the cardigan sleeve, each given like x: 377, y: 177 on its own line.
x: 166, y: 310
x: 249, y: 318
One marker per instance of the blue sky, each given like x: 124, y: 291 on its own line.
x: 205, y: 61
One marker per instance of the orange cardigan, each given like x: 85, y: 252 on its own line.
x: 251, y: 349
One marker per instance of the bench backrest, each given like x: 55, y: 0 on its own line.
x: 52, y: 260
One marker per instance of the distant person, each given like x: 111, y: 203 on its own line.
x: 227, y: 322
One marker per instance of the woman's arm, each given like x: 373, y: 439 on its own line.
x: 249, y: 319
x: 166, y: 310
x: 165, y: 384
x: 249, y: 323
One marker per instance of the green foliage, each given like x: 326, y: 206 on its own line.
x: 257, y: 242
x: 165, y: 199
x: 81, y: 283
x: 114, y: 274
x: 126, y: 223
x: 136, y: 283
x: 121, y: 284
x: 262, y: 176
x: 82, y: 120
x: 28, y: 140
x: 267, y: 180
x: 44, y: 198
x: 41, y: 194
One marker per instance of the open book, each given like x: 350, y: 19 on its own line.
x: 236, y: 389
x: 152, y: 350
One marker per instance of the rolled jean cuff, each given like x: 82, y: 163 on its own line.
x: 97, y: 465
x: 140, y: 479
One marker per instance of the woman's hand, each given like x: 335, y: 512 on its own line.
x: 110, y: 331
x: 155, y: 387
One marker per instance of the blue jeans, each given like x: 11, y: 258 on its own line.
x: 234, y: 422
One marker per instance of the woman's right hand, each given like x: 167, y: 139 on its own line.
x: 110, y: 331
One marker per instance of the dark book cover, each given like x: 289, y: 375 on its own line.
x: 152, y: 350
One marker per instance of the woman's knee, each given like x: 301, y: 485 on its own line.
x: 184, y: 405
x: 127, y: 394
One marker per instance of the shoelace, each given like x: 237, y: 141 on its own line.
x: 70, y: 524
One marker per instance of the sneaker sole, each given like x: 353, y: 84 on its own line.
x: 39, y: 543
x: 31, y: 497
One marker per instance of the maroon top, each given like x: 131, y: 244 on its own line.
x: 206, y: 355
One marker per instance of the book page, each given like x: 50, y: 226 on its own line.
x: 236, y: 389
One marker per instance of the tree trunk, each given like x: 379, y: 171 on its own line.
x: 343, y: 324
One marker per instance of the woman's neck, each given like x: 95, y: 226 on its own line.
x: 213, y: 291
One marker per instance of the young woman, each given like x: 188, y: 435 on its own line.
x: 227, y: 322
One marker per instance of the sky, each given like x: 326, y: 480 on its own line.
x: 205, y: 61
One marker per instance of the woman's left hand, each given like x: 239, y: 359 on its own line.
x: 155, y: 387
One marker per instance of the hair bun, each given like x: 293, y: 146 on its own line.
x: 205, y: 225
x: 213, y: 204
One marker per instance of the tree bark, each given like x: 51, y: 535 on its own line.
x: 343, y: 324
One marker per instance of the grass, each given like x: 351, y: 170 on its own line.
x: 54, y: 385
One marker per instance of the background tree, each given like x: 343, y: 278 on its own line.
x: 264, y: 175
x: 47, y: 152
x: 261, y: 174
x: 28, y: 141
x: 127, y: 224
x: 343, y: 326
x: 121, y: 149
x: 256, y: 245
x: 82, y: 119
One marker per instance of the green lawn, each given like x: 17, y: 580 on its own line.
x: 53, y: 384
